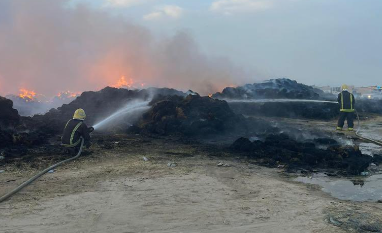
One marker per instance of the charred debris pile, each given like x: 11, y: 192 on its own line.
x: 251, y: 99
x: 194, y: 115
x: 176, y: 114
x: 288, y: 98
x: 40, y: 134
x: 308, y: 110
x: 9, y: 118
x: 13, y: 138
x: 271, y: 89
x: 97, y: 105
x: 321, y: 153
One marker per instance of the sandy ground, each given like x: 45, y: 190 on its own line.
x: 117, y: 191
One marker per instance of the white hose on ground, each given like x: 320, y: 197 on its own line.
x: 365, y: 138
x: 28, y: 182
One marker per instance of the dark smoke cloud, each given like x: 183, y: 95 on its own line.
x: 49, y: 47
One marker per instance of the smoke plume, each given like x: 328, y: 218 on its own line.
x: 49, y: 47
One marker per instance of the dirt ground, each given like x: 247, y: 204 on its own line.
x: 115, y: 190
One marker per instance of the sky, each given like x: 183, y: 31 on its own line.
x: 317, y: 42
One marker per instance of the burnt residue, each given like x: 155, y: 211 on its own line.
x: 280, y: 149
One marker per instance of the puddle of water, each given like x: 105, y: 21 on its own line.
x: 359, y: 189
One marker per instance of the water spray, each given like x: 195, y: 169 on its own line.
x: 306, y: 101
x: 279, y: 101
x: 129, y: 108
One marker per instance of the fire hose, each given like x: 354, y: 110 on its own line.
x: 363, y: 137
x: 28, y: 182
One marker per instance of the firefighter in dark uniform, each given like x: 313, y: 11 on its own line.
x: 347, y: 103
x: 76, y: 130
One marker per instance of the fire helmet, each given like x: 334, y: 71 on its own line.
x: 79, y: 114
x: 344, y: 87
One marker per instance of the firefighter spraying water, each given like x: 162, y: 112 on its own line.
x: 347, y: 103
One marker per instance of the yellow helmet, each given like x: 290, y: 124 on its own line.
x: 344, y: 87
x: 79, y: 114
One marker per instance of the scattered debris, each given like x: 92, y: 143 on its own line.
x: 171, y: 164
x: 2, y: 171
x: 280, y: 148
x: 220, y: 164
x: 145, y: 159
x: 355, y: 221
x: 51, y: 171
x: 364, y: 173
x: 334, y: 222
x: 108, y: 145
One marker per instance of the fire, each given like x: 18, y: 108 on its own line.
x: 210, y: 95
x: 67, y: 94
x: 128, y: 83
x: 123, y: 83
x: 27, y: 94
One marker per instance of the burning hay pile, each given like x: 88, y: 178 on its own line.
x: 39, y: 134
x: 97, y: 105
x: 173, y: 113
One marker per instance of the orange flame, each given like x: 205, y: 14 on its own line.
x: 27, y: 94
x: 210, y: 95
x: 123, y: 83
x: 68, y: 94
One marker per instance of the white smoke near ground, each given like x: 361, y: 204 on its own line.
x: 49, y: 47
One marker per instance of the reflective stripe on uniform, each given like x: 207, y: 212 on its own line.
x: 67, y: 124
x: 351, y: 101
x: 73, y: 133
x: 342, y: 103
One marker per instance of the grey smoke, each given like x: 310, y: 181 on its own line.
x: 49, y: 47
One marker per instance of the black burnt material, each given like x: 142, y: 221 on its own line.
x: 272, y: 89
x: 194, y: 115
x: 308, y: 110
x: 20, y: 136
x: 281, y: 149
x: 9, y: 117
x: 97, y: 105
